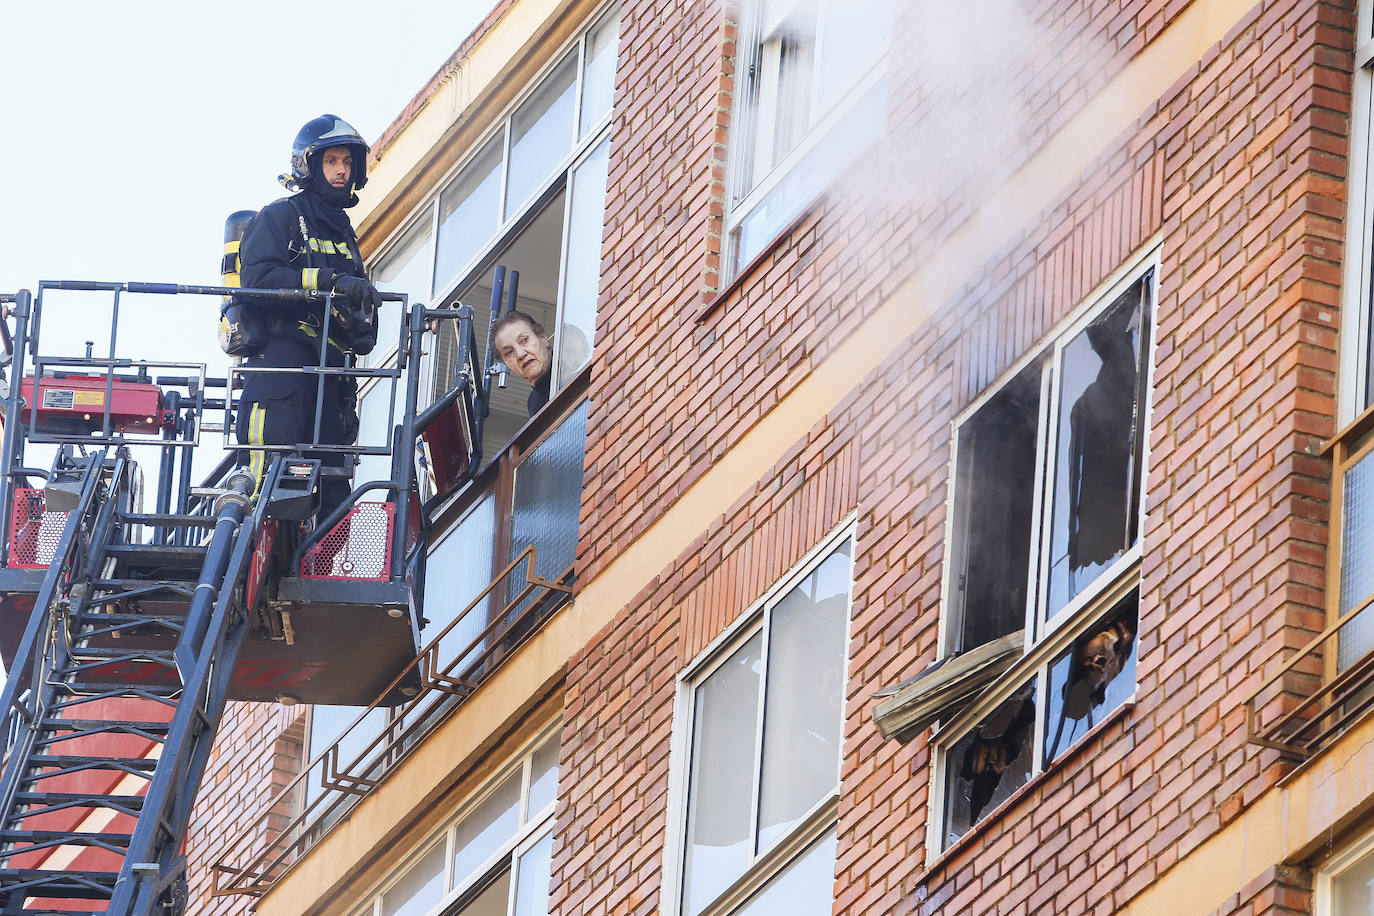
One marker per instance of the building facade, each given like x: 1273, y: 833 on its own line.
x: 951, y: 501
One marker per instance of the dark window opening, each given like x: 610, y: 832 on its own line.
x: 996, y: 470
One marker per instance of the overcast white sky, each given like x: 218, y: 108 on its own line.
x: 129, y: 131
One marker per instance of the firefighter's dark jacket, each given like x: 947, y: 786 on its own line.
x: 297, y: 242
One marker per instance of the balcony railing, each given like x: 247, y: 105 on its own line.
x: 1302, y: 708
x: 524, y: 506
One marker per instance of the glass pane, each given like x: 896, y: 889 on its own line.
x: 1093, y: 515
x: 721, y: 792
x: 853, y: 35
x: 375, y: 430
x: 547, y: 500
x: 468, y: 212
x: 582, y: 280
x: 1091, y: 680
x: 1357, y: 561
x: 544, y: 776
x: 421, y: 887
x: 482, y: 832
x: 803, y: 697
x: 532, y: 887
x: 808, y: 177
x: 984, y: 768
x: 457, y: 571
x: 405, y: 270
x: 598, y: 79
x: 1352, y: 893
x: 806, y: 887
x: 541, y: 134
x: 494, y: 899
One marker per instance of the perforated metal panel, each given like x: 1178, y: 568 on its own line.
x: 1357, y: 560
x: 34, y: 531
x: 548, y: 498
x: 359, y: 546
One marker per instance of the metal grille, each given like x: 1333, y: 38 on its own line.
x: 34, y: 530
x: 1357, y: 572
x: 548, y: 498
x: 359, y: 546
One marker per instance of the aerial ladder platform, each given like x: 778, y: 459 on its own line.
x: 126, y: 628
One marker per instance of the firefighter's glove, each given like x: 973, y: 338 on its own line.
x: 359, y: 293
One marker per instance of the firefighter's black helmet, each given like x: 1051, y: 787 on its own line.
x: 320, y: 134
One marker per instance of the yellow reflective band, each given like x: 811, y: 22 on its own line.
x: 310, y: 278
x: 257, y: 419
x: 314, y: 244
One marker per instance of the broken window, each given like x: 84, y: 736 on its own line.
x: 990, y: 763
x: 1044, y: 540
x: 765, y: 743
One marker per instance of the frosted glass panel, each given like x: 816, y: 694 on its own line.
x: 1357, y: 563
x: 483, y: 831
x: 421, y: 887
x: 541, y: 134
x: 720, y: 797
x: 459, y: 568
x: 801, y: 731
x: 547, y: 500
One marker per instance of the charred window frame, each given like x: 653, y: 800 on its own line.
x: 811, y: 93
x: 756, y: 751
x: 1046, y: 521
x: 1357, y: 312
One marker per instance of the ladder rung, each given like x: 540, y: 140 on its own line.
x: 84, y: 885
x: 161, y: 520
x: 103, y: 654
x: 102, y: 725
x: 78, y: 799
x: 63, y: 761
x: 64, y: 836
x: 157, y: 554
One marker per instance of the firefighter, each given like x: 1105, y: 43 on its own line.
x: 305, y: 241
x: 522, y: 344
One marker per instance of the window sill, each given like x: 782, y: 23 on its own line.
x: 1032, y: 785
x: 767, y: 252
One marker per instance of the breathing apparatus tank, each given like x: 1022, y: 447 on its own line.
x: 241, y: 328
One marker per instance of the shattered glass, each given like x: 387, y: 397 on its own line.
x: 1096, y: 465
x: 988, y: 765
x: 1091, y: 679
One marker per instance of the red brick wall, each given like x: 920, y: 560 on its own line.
x: 1240, y: 167
x: 259, y: 747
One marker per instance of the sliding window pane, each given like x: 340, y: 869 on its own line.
x: 421, y: 887
x: 405, y: 270
x: 598, y: 81
x: 532, y: 885
x: 541, y: 134
x: 468, y: 212
x: 482, y: 832
x: 582, y: 278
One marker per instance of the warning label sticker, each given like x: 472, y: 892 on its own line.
x: 90, y: 398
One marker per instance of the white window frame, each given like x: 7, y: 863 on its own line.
x: 823, y: 815
x: 534, y: 826
x: 1046, y: 639
x: 747, y: 188
x: 1323, y: 891
x: 1357, y: 323
x: 511, y: 214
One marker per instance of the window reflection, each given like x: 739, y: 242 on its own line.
x: 1094, y: 508
x: 598, y: 80
x: 420, y: 888
x: 481, y: 833
x: 468, y: 212
x: 541, y: 133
